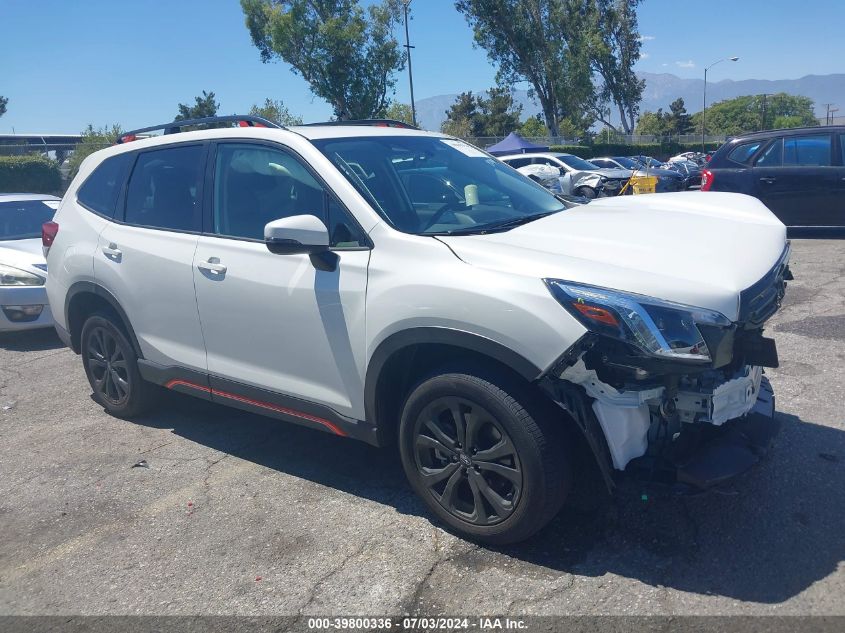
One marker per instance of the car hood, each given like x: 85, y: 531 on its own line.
x: 24, y: 254
x: 660, y: 173
x: 700, y: 249
x: 612, y: 173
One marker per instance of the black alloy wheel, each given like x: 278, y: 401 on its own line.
x: 467, y: 461
x: 108, y: 365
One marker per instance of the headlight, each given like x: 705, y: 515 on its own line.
x: 10, y: 276
x: 659, y: 328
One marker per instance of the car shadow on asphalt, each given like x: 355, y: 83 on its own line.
x: 39, y: 340
x: 778, y: 531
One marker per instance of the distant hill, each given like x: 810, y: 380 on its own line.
x: 663, y: 88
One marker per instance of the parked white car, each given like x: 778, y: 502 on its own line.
x: 586, y: 179
x: 23, y: 269
x: 405, y: 288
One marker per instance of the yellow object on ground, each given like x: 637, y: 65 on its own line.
x: 644, y: 184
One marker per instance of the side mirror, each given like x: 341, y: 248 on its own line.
x: 296, y: 234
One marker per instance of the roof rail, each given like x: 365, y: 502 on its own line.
x: 371, y: 122
x: 174, y: 127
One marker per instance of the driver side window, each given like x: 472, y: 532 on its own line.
x: 256, y: 184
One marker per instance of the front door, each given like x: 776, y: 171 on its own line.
x: 277, y: 322
x: 796, y: 179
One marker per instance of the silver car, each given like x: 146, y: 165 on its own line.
x: 23, y: 269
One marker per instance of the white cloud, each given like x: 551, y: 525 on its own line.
x: 687, y: 64
x: 647, y: 38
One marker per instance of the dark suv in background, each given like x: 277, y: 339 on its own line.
x: 798, y: 173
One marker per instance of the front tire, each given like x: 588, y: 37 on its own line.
x: 587, y: 192
x: 479, y: 459
x: 111, y: 365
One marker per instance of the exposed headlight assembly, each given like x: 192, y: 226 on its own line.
x: 10, y: 276
x: 658, y: 328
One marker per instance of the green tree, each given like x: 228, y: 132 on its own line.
x: 538, y: 42
x: 463, y: 117
x: 346, y: 53
x: 3, y: 102
x: 499, y: 113
x: 613, y: 42
x: 757, y: 112
x: 653, y: 123
x: 92, y: 140
x: 204, y: 106
x: 399, y: 112
x: 275, y: 111
x: 679, y: 121
x: 533, y: 127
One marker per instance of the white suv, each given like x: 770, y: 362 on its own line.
x: 403, y: 287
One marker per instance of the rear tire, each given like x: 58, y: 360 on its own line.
x: 482, y: 455
x: 111, y: 365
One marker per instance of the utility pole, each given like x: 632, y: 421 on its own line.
x: 408, y: 47
x: 704, y: 109
x: 828, y: 118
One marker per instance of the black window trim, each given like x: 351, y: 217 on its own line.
x: 208, y: 201
x: 121, y: 202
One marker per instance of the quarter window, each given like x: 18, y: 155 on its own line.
x: 807, y: 151
x: 256, y: 184
x: 101, y: 189
x: 164, y: 189
x: 743, y: 153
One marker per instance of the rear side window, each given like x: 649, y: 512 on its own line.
x: 773, y: 156
x: 101, y: 190
x: 807, y: 151
x: 164, y: 189
x: 516, y: 163
x: 742, y: 153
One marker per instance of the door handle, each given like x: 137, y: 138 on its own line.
x: 112, y: 252
x: 212, y: 265
x: 768, y: 180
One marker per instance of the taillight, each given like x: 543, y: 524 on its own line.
x: 706, y: 180
x: 49, y: 230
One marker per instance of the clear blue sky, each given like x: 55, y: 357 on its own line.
x: 66, y: 64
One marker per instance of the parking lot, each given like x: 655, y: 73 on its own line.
x: 237, y: 514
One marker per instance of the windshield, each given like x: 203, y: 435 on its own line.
x: 429, y: 185
x: 627, y: 163
x: 22, y: 219
x: 575, y: 162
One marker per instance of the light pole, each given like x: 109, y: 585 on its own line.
x: 704, y: 110
x: 408, y: 47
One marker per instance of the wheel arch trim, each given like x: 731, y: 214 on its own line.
x: 90, y: 287
x: 433, y: 335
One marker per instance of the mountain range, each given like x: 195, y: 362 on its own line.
x: 663, y: 88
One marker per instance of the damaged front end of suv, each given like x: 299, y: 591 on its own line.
x: 669, y: 393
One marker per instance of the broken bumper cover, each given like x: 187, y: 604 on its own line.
x: 732, y: 448
x: 715, y: 454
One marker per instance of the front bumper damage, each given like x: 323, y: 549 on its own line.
x: 694, y: 441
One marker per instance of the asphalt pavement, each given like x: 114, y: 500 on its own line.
x: 201, y: 509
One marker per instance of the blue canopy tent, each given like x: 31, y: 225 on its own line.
x: 515, y: 144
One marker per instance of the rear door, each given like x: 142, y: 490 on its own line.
x: 145, y: 259
x: 796, y: 178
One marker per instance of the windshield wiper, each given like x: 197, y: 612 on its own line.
x: 495, y: 227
